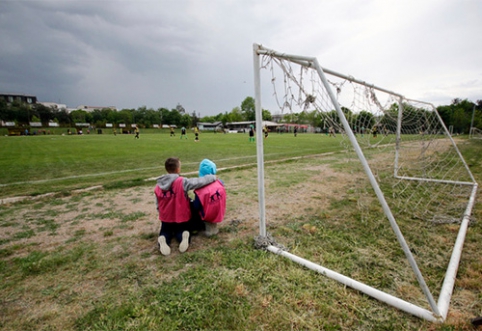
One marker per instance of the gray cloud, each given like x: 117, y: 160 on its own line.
x: 199, y: 53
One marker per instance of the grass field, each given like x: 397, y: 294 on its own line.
x: 39, y: 164
x: 89, y: 260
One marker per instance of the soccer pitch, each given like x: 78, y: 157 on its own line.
x: 35, y: 165
x: 91, y: 261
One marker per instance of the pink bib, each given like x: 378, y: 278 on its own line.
x: 173, y: 205
x: 213, y: 201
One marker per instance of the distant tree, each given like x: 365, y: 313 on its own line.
x: 124, y: 116
x: 365, y: 120
x: 248, y: 109
x: 164, y: 114
x: 445, y: 113
x: 466, y: 109
x: 186, y: 121
x: 98, y: 118
x: 88, y: 118
x: 235, y: 115
x: 456, y: 101
x: 139, y: 116
x: 223, y: 117
x: 266, y: 115
x: 290, y: 118
x: 151, y: 117
x: 458, y: 114
x: 303, y: 117
x: 180, y: 109
x: 194, y: 119
x: 219, y: 117
x: 145, y: 117
x: 315, y: 119
x: 21, y: 112
x: 348, y: 114
x: 208, y: 119
x: 78, y: 116
x: 44, y: 113
x: 176, y: 117
x: 477, y: 113
x: 62, y: 117
x: 6, y: 113
x: 114, y: 117
x: 478, y: 103
x: 106, y: 112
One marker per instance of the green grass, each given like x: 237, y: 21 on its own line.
x: 101, y: 270
x: 36, y: 165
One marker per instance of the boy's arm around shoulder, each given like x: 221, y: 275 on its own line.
x: 195, y: 183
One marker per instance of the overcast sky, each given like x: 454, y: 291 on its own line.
x: 198, y: 53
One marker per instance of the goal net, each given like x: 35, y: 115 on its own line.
x: 405, y: 160
x: 475, y: 133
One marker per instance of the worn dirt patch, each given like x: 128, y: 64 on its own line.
x: 99, y: 215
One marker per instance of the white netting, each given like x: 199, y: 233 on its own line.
x: 421, y: 173
x: 476, y: 133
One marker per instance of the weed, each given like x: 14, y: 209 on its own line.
x: 24, y: 234
x: 47, y: 225
x: 132, y: 216
x: 108, y: 233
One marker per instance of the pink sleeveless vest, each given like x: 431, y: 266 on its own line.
x: 213, y: 200
x: 173, y: 204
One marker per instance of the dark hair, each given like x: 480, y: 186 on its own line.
x: 172, y: 164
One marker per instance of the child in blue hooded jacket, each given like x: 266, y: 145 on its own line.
x: 210, y: 200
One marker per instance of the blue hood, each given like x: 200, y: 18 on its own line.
x: 207, y: 167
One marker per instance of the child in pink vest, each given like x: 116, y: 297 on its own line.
x: 173, y: 205
x: 210, y: 200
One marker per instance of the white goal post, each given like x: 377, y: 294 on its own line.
x: 426, y: 175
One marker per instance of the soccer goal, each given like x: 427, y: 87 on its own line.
x: 410, y: 163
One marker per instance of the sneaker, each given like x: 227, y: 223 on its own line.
x: 183, y: 246
x: 163, y: 246
x: 211, y: 229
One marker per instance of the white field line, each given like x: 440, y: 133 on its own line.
x: 41, y: 181
x: 239, y: 166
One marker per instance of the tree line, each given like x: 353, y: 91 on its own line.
x: 22, y: 114
x: 459, y: 115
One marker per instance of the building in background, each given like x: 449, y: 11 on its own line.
x: 54, y: 105
x: 92, y: 108
x: 25, y: 98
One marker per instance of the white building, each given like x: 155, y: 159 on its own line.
x: 92, y: 108
x: 54, y: 105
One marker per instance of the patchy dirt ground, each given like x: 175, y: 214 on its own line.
x: 291, y: 189
x: 97, y: 214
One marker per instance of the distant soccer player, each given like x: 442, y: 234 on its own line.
x: 196, y: 134
x: 137, y: 133
x: 375, y: 131
x: 251, y: 133
x: 172, y: 132
x: 183, y: 132
x: 331, y: 130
